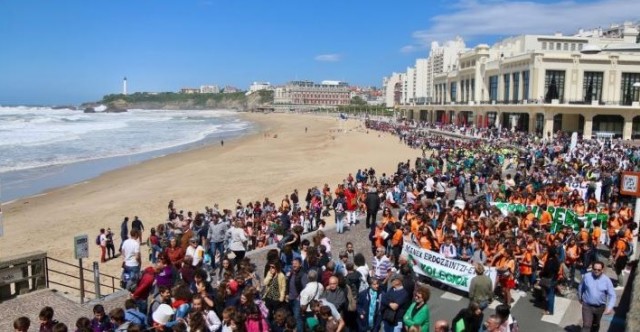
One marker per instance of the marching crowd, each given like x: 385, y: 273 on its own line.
x: 201, y: 280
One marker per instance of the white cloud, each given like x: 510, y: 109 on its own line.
x: 409, y: 49
x: 334, y: 57
x: 474, y: 19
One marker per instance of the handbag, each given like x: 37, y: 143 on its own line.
x: 389, y: 316
x: 545, y: 282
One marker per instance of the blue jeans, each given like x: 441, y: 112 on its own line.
x: 132, y: 270
x: 294, y: 305
x: 551, y: 296
x: 340, y: 223
x: 216, y: 246
x: 155, y: 249
x: 386, y: 327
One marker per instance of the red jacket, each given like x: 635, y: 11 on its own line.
x: 352, y: 201
x: 145, y: 285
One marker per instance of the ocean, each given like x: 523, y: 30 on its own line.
x: 43, y: 148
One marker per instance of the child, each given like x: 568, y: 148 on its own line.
x: 21, y: 324
x: 331, y: 324
x: 46, y: 319
x: 100, y: 321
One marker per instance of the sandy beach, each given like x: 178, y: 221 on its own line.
x: 249, y: 168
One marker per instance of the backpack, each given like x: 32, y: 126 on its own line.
x: 456, y: 181
x: 98, y: 239
x: 628, y: 249
x: 339, y: 208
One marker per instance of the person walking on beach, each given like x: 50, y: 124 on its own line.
x: 124, y: 231
x: 221, y: 142
x: 597, y: 296
x: 111, y: 249
x: 137, y: 225
x: 102, y: 241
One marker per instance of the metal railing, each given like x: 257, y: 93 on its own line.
x: 95, y: 281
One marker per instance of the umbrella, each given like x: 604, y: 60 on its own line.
x: 552, y: 91
x: 589, y: 97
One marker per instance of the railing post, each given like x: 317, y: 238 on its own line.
x: 81, y: 281
x: 96, y: 278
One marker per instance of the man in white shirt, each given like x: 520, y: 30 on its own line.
x: 429, y: 189
x: 196, y: 251
x: 131, y: 253
x: 312, y: 291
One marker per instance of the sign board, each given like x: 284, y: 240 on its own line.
x: 560, y: 216
x: 452, y: 272
x: 81, y: 246
x: 10, y: 275
x: 630, y: 184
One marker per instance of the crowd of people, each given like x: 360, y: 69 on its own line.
x: 201, y: 280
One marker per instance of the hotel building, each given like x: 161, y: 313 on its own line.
x: 588, y: 83
x: 307, y: 95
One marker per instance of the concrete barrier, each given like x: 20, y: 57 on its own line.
x: 21, y: 274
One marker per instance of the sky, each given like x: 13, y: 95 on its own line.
x: 59, y: 52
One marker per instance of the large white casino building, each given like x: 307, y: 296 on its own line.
x: 588, y: 82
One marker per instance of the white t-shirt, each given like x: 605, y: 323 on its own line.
x: 197, y: 253
x: 312, y: 291
x: 103, y: 240
x: 130, y: 252
x: 429, y: 185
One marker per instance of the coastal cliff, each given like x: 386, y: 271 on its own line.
x: 178, y: 101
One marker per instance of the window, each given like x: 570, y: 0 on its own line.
x: 506, y: 77
x: 551, y: 46
x: 565, y: 46
x: 466, y: 90
x: 592, y: 86
x: 525, y: 85
x: 544, y: 45
x: 629, y: 93
x: 559, y: 46
x: 453, y: 91
x: 553, y: 85
x: 573, y: 46
x: 473, y: 89
x: 516, y: 86
x: 493, y: 88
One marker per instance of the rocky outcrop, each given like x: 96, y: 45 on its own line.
x: 89, y: 110
x: 113, y: 109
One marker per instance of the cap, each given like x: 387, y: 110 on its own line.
x: 163, y: 314
x: 233, y: 286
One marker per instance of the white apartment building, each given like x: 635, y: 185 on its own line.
x: 409, y: 86
x: 421, y: 88
x: 417, y: 84
x: 588, y: 82
x: 209, y: 89
x: 257, y: 86
x: 393, y: 89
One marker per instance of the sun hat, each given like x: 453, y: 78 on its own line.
x: 163, y: 314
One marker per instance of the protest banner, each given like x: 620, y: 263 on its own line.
x: 451, y: 272
x: 561, y: 216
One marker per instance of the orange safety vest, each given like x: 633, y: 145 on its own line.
x: 525, y: 264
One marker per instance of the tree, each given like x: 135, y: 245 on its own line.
x: 357, y: 100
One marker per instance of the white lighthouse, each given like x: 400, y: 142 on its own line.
x: 124, y: 86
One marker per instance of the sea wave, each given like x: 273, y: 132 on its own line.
x: 38, y: 137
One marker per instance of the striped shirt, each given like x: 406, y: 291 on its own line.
x: 381, y: 267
